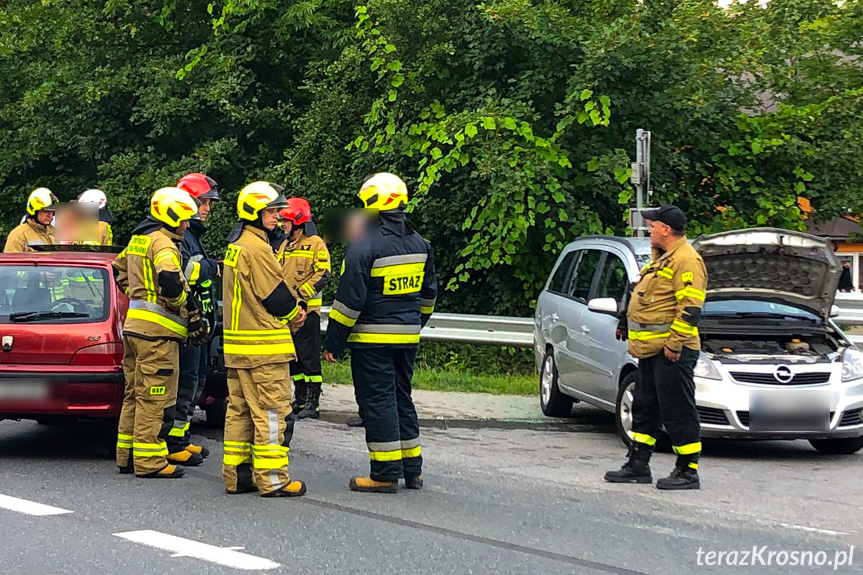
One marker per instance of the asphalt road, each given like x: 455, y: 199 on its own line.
x: 496, y: 501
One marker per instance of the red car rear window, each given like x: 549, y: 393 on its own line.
x: 53, y: 294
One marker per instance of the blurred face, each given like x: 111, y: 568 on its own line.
x: 44, y: 217
x: 270, y: 218
x: 204, y: 209
x: 846, y: 264
x: 660, y: 234
x: 355, y: 225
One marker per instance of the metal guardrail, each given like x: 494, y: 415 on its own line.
x: 850, y: 314
x: 518, y: 331
x: 463, y: 328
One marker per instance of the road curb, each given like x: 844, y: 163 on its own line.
x: 547, y: 424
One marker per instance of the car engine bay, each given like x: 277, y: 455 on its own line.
x: 804, y: 348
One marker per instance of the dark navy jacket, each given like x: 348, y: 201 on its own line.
x: 200, y: 271
x: 387, y: 290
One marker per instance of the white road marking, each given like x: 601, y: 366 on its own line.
x: 180, y: 547
x: 30, y: 507
x: 812, y: 529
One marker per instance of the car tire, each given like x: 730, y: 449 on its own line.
x: 216, y: 412
x: 623, y: 408
x: 107, y: 431
x: 552, y: 401
x: 845, y: 446
x: 623, y: 415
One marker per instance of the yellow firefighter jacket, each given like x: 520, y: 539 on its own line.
x: 106, y: 234
x: 306, y: 268
x: 257, y: 304
x: 30, y: 233
x: 149, y: 271
x: 665, y: 306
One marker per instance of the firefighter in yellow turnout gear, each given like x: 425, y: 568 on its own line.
x: 161, y: 315
x: 662, y: 328
x: 259, y: 313
x: 105, y: 233
x: 306, y: 266
x: 37, y: 228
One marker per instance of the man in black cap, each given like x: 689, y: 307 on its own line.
x: 662, y: 329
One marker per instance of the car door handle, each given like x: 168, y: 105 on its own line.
x: 585, y: 329
x: 555, y: 317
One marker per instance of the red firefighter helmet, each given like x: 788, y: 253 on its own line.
x: 298, y: 211
x: 200, y: 186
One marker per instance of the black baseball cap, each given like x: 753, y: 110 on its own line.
x: 669, y: 215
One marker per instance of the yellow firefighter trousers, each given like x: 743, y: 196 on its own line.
x: 259, y: 399
x: 152, y: 370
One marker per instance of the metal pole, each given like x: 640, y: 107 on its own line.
x: 638, y: 180
x: 646, y: 154
x: 641, y: 180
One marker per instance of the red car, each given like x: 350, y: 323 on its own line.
x: 61, y: 344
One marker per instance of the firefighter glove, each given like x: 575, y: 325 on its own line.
x: 622, y: 334
x: 197, y: 329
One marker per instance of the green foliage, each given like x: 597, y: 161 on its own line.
x: 512, y: 121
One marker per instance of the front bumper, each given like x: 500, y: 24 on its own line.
x: 724, y: 406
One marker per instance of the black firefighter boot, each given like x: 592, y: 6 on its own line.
x: 313, y: 398
x: 637, y: 467
x: 300, y: 391
x: 683, y: 476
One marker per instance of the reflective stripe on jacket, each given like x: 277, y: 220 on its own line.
x: 387, y: 290
x: 151, y: 315
x: 253, y: 335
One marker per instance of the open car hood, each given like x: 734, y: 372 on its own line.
x: 771, y: 264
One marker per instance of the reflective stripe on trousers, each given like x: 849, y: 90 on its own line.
x: 237, y: 453
x: 181, y: 426
x: 150, y: 449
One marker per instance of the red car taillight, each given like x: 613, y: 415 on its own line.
x: 100, y: 354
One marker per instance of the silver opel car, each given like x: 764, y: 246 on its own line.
x: 773, y: 364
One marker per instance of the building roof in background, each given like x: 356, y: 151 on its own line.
x: 838, y: 228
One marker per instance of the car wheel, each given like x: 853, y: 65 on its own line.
x: 216, y: 412
x: 838, y: 446
x: 107, y: 431
x: 623, y: 415
x: 552, y: 401
x: 623, y: 408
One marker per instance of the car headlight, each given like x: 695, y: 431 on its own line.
x: 704, y: 368
x: 852, y: 365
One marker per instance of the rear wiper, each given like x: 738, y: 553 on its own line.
x: 37, y: 315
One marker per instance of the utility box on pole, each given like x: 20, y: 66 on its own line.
x: 641, y: 180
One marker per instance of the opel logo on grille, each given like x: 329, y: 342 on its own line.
x: 782, y: 374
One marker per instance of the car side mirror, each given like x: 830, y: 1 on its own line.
x: 605, y: 305
x: 835, y: 310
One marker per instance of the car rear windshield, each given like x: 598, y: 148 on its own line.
x: 53, y: 294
